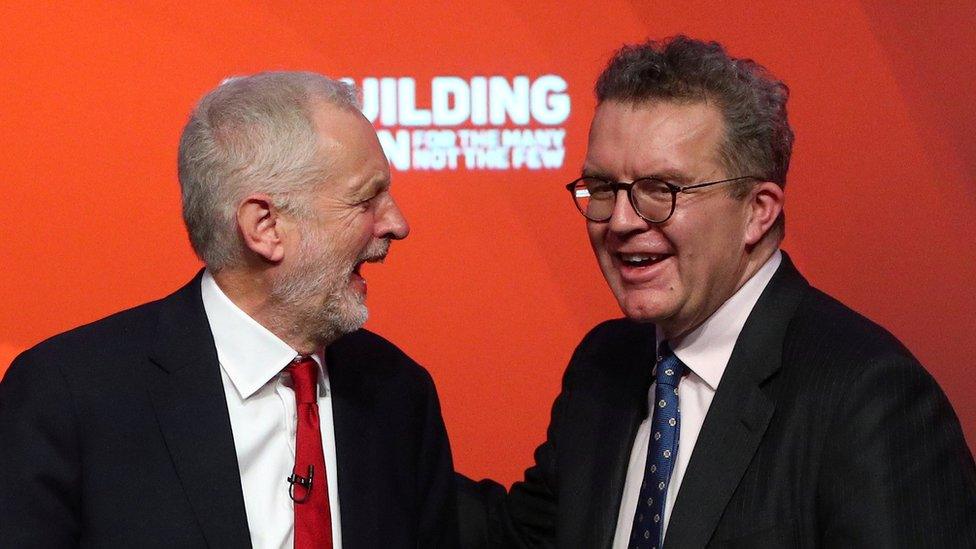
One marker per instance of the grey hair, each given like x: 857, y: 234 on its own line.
x: 252, y: 134
x: 758, y: 138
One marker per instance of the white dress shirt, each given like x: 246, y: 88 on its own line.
x: 705, y: 351
x: 261, y: 403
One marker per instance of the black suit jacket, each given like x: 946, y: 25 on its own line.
x: 116, y: 434
x: 824, y: 432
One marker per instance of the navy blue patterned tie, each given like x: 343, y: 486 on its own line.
x: 662, y: 450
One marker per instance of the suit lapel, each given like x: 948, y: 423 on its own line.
x: 188, y: 398
x: 604, y: 454
x: 738, y: 416
x: 355, y: 474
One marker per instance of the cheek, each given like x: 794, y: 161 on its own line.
x: 368, y: 226
x: 597, y: 234
x: 707, y: 260
x: 355, y: 235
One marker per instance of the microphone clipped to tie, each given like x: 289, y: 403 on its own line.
x: 304, y: 482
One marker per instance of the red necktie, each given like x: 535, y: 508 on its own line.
x: 308, y: 486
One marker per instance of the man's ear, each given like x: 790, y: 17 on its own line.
x: 765, y: 203
x: 261, y: 227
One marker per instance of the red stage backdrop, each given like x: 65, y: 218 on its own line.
x: 483, y: 108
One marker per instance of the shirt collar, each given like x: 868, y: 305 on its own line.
x: 706, y: 349
x: 248, y: 352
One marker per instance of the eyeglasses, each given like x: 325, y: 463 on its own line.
x: 653, y: 199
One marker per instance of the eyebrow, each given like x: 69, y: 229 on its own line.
x: 376, y: 186
x: 594, y: 173
x: 378, y: 183
x: 669, y: 175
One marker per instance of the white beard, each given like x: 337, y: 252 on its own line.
x: 315, y: 296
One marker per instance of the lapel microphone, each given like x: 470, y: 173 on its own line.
x: 304, y: 482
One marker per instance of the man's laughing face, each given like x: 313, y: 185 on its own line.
x: 349, y: 220
x: 675, y: 273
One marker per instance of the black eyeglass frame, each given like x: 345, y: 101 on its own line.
x: 616, y: 186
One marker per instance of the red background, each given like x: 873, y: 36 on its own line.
x: 496, y: 283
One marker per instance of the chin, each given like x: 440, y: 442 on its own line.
x: 338, y: 316
x: 352, y: 314
x: 641, y: 308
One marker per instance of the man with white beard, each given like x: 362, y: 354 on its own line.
x: 249, y: 408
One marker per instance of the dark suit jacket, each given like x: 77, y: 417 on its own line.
x: 824, y: 432
x: 116, y: 434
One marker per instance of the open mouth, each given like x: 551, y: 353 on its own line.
x: 641, y: 260
x: 357, y: 275
x: 370, y: 259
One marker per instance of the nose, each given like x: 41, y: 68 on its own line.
x: 391, y: 224
x: 624, y: 218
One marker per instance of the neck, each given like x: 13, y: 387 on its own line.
x: 251, y: 292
